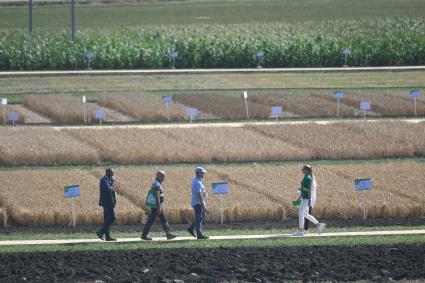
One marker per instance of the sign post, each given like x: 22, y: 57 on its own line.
x: 220, y: 189
x: 13, y: 117
x: 84, y: 108
x: 4, y: 103
x: 101, y: 115
x: 365, y: 106
x: 277, y: 111
x: 346, y: 52
x: 245, y: 96
x: 259, y: 55
x: 363, y: 185
x: 338, y: 95
x: 415, y: 94
x: 71, y: 192
x: 167, y: 100
x: 191, y: 113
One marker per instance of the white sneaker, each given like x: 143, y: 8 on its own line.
x: 321, y: 228
x: 298, y: 233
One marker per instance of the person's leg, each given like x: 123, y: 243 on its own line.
x: 110, y: 220
x: 198, y: 220
x: 149, y: 223
x: 164, y: 222
x: 311, y: 218
x: 102, y: 230
x: 302, y: 212
x: 307, y: 222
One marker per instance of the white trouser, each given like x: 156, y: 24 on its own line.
x: 303, y: 214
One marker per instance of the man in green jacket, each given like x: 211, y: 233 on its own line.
x: 154, y: 200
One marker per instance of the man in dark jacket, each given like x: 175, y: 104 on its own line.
x: 107, y: 199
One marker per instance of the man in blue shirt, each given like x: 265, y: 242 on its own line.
x: 154, y: 200
x: 199, y: 196
x: 108, y: 200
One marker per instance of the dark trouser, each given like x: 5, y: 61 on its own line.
x: 307, y: 222
x: 108, y: 219
x: 151, y: 220
x: 199, y: 218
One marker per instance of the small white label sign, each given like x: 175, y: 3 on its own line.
x: 4, y: 101
x: 245, y: 94
x: 84, y: 99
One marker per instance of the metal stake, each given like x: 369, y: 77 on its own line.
x: 221, y: 208
x: 30, y: 17
x: 247, y: 110
x: 72, y: 20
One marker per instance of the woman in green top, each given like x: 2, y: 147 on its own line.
x: 308, y: 197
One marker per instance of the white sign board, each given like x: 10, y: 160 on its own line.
x: 245, y: 94
x: 4, y: 101
x: 277, y: 111
x: 220, y: 188
x: 100, y: 114
x: 339, y: 95
x: 13, y: 116
x: 415, y: 93
x: 365, y: 105
x: 191, y: 112
x: 72, y: 191
x: 362, y: 184
x: 167, y: 99
x: 84, y: 99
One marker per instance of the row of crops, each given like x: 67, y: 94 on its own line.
x: 396, y: 41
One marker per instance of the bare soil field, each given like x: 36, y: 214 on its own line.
x: 277, y: 264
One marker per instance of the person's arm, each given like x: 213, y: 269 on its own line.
x: 202, y: 202
x: 108, y: 192
x: 158, y: 202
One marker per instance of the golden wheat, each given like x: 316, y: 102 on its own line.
x: 256, y: 192
x: 35, y: 197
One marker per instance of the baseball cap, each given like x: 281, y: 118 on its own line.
x: 200, y: 170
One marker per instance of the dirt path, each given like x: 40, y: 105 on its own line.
x: 238, y: 124
x: 217, y: 238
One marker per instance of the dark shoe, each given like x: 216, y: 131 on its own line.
x: 110, y: 239
x: 100, y: 236
x: 203, y: 237
x: 145, y: 238
x: 171, y: 236
x: 191, y: 232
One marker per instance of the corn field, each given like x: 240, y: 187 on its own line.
x: 256, y: 193
x: 394, y: 41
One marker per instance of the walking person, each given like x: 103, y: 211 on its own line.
x: 108, y: 200
x: 199, y: 196
x: 308, y: 198
x: 154, y: 200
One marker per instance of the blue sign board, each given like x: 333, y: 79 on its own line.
x: 415, y: 93
x: 72, y: 191
x: 220, y: 188
x: 339, y: 95
x: 167, y: 99
x: 362, y: 184
x: 346, y: 51
x: 259, y: 54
